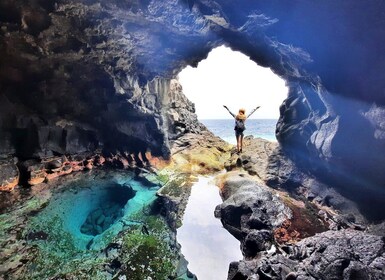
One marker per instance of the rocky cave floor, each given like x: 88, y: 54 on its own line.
x: 284, y: 234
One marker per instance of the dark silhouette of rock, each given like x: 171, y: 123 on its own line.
x: 9, y: 175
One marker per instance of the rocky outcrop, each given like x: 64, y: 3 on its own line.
x: 345, y: 254
x: 77, y: 76
x: 82, y: 76
x: 202, y: 153
x: 250, y: 212
x: 9, y: 175
x: 254, y: 158
x: 286, y: 235
x: 73, y: 80
x: 283, y: 173
x: 192, y: 155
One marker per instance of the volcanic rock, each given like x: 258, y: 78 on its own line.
x: 254, y: 157
x: 9, y: 175
x: 250, y: 212
x: 345, y: 254
x: 82, y: 76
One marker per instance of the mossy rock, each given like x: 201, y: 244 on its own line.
x: 148, y: 256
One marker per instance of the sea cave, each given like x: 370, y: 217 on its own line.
x: 100, y: 148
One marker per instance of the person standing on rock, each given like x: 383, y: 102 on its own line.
x: 240, y: 120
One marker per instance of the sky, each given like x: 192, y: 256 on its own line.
x: 231, y: 78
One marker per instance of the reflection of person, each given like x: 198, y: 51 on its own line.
x: 240, y: 120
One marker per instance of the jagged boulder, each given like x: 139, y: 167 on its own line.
x: 345, y: 254
x: 250, y: 212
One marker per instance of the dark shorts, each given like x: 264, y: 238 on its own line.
x: 238, y: 133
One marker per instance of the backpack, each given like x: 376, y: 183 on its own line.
x: 239, y: 125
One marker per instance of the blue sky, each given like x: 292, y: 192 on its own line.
x: 231, y: 78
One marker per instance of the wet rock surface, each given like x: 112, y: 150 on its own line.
x: 345, y: 254
x: 192, y: 155
x: 82, y: 76
x: 45, y: 232
x: 300, y: 244
x: 250, y: 212
x: 9, y: 175
x: 79, y: 77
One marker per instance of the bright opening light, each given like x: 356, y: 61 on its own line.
x: 230, y: 78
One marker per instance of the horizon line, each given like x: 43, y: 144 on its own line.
x: 233, y: 119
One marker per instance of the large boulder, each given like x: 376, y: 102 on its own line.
x: 251, y: 212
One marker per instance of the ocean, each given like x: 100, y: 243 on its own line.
x: 263, y: 128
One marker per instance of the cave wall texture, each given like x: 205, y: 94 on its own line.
x: 77, y: 76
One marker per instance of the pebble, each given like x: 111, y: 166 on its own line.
x: 101, y: 219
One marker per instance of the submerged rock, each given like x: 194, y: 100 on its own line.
x: 62, y: 222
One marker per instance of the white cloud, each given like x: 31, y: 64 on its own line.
x: 231, y: 78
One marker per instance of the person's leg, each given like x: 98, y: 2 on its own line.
x: 241, y: 142
x: 238, y: 142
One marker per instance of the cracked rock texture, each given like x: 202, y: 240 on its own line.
x: 250, y: 212
x: 254, y: 158
x: 345, y: 254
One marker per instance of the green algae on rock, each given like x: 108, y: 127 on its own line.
x: 52, y: 243
x: 150, y: 253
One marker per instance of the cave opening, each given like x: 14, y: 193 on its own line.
x: 230, y: 78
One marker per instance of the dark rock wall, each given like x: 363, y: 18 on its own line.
x: 331, y: 56
x: 80, y: 76
x: 83, y: 75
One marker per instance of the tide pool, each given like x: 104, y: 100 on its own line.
x: 82, y: 218
x: 206, y: 245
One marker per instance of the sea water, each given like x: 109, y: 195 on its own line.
x: 263, y: 128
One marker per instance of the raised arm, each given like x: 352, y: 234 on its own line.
x: 229, y: 110
x: 252, y: 112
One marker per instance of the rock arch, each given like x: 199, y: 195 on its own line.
x: 83, y: 75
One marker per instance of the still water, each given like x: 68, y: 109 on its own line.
x: 206, y: 245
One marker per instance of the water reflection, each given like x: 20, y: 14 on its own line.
x: 207, y: 246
